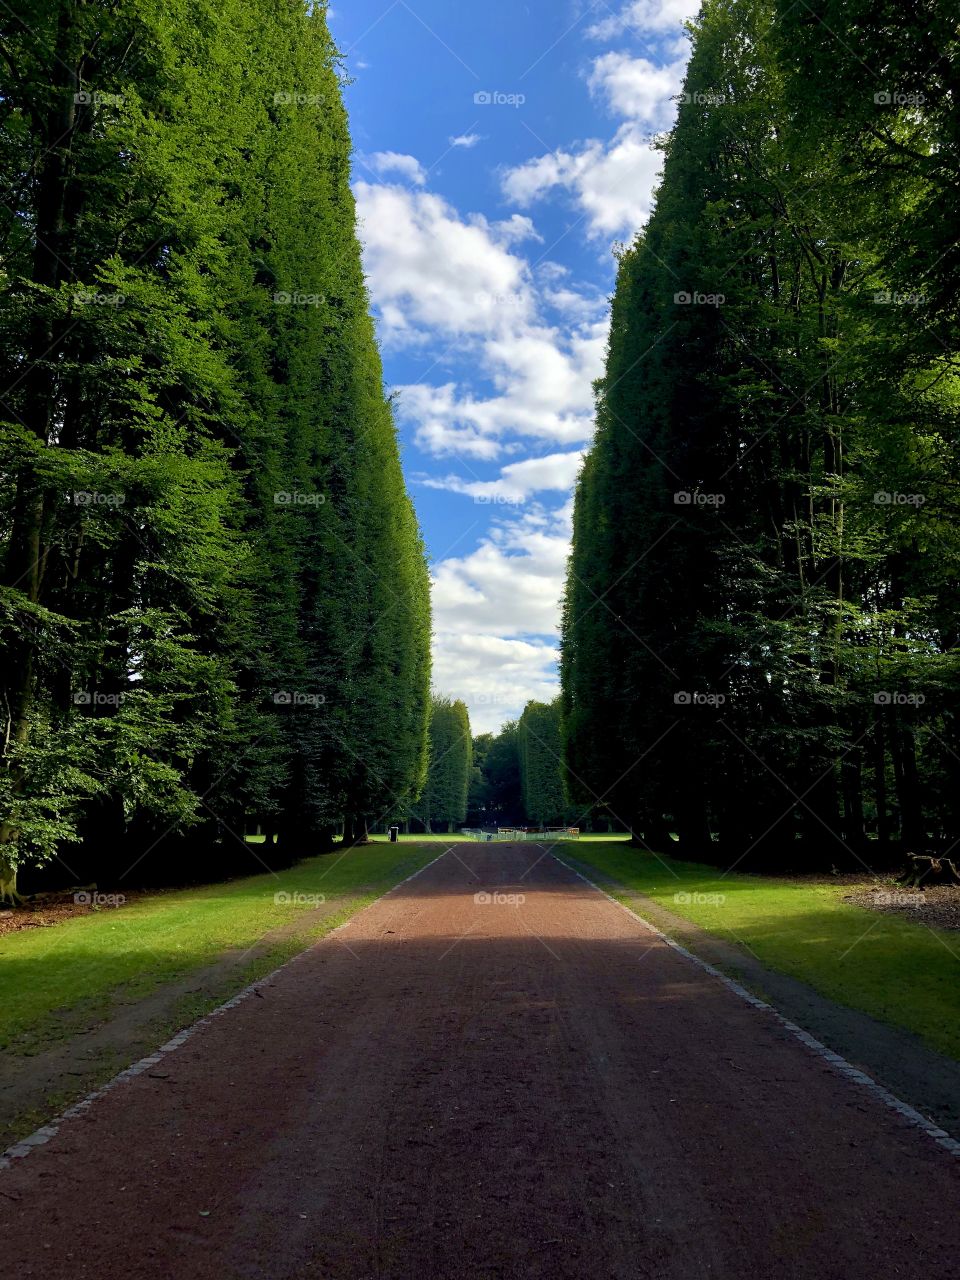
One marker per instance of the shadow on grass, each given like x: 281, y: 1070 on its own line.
x: 127, y: 950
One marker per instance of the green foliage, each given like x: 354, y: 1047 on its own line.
x: 215, y: 600
x: 760, y: 622
x: 501, y: 770
x: 478, y: 791
x: 539, y: 749
x: 450, y: 765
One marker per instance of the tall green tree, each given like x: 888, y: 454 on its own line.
x: 502, y: 772
x: 478, y: 791
x: 759, y: 624
x: 444, y: 798
x: 538, y: 733
x: 214, y: 607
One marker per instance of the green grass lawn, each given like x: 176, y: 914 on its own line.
x: 437, y: 837
x: 80, y: 966
x: 900, y: 971
x: 457, y: 838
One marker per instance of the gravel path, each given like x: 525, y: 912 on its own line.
x: 458, y: 1088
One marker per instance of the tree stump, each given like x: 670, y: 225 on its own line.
x: 926, y: 869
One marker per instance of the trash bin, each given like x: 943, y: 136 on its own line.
x: 394, y: 834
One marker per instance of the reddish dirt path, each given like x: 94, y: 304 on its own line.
x: 454, y: 1089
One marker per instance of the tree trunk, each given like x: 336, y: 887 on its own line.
x: 325, y: 839
x: 355, y: 829
x: 880, y: 780
x: 904, y: 753
x: 852, y: 780
x: 654, y: 835
x: 8, y: 880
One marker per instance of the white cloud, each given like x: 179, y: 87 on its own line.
x: 496, y: 611
x: 637, y: 88
x: 612, y: 183
x: 543, y: 382
x: 466, y: 140
x: 577, y: 306
x: 445, y: 423
x: 517, y: 480
x: 430, y: 269
x: 516, y: 229
x: 552, y: 272
x: 456, y: 282
x: 511, y: 584
x: 646, y: 16
x: 409, y: 167
x: 495, y: 677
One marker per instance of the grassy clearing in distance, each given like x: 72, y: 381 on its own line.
x: 443, y: 838
x: 899, y: 971
x: 438, y: 837
x: 599, y: 836
x: 131, y: 950
x: 457, y: 838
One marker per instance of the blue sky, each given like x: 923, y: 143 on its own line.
x: 501, y: 150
